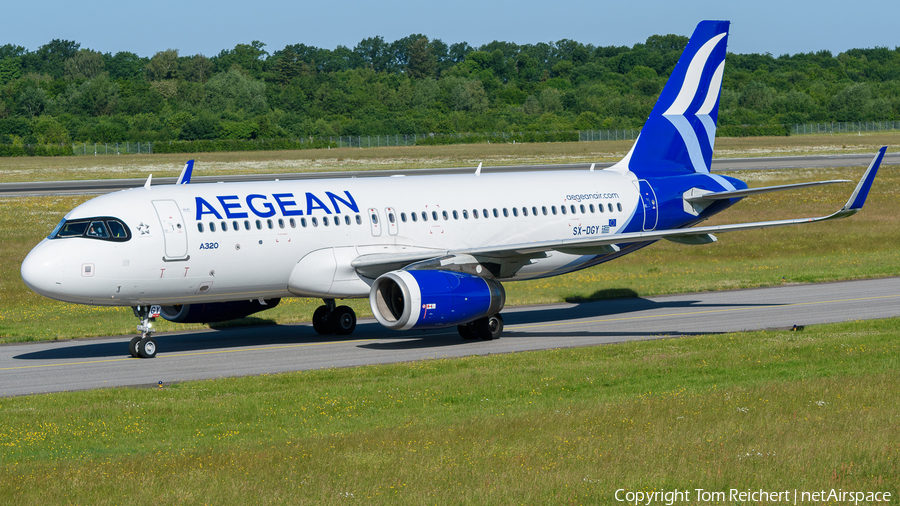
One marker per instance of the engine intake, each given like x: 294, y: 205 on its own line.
x: 215, y: 311
x: 422, y: 299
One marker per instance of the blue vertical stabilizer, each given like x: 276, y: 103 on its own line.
x: 679, y: 135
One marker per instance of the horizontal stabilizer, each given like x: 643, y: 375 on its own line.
x: 757, y: 191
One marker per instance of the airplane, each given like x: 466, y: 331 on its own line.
x: 427, y: 251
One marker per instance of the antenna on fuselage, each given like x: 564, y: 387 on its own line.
x: 592, y: 167
x: 478, y: 170
x: 147, y: 184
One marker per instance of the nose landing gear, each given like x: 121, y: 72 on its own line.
x: 328, y: 319
x: 144, y: 346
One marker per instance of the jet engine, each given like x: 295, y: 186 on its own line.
x: 422, y: 299
x: 215, y: 311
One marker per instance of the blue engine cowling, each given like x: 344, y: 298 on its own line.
x: 403, y: 300
x: 215, y: 311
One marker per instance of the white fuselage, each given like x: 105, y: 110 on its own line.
x: 218, y: 242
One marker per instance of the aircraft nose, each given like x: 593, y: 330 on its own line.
x: 42, y: 270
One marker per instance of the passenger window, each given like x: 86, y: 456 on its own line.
x: 475, y: 213
x: 270, y: 224
x: 303, y: 222
x: 600, y: 207
x: 293, y: 223
x: 391, y: 217
x: 572, y: 207
x: 200, y: 227
x: 455, y: 215
x: 563, y: 209
x: 280, y: 223
x: 465, y: 214
x: 496, y: 214
x: 314, y: 221
x: 224, y: 226
x: 424, y: 216
x: 375, y: 218
x: 515, y: 211
x: 212, y: 227
x: 403, y: 217
x: 543, y: 210
x: 358, y: 220
x: 524, y: 211
x: 445, y: 215
x: 534, y: 210
x: 246, y: 224
x: 434, y: 215
x: 619, y: 205
x: 582, y: 209
x: 346, y: 219
x: 592, y: 208
x: 325, y: 221
x: 553, y: 209
x: 414, y: 216
x: 610, y: 207
x: 258, y: 225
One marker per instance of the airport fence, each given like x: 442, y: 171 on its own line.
x: 429, y: 139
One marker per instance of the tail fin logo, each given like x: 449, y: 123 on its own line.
x: 676, y: 114
x: 678, y: 136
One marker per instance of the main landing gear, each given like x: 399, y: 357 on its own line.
x: 486, y: 329
x: 328, y: 319
x: 143, y: 346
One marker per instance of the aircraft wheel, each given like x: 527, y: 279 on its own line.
x: 147, y: 347
x: 133, y: 346
x: 466, y: 332
x: 343, y: 319
x: 320, y: 321
x: 489, y: 327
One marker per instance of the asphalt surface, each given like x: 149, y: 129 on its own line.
x: 104, y: 362
x: 722, y: 164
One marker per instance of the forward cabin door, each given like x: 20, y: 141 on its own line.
x: 174, y: 230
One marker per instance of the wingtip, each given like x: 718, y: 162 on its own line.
x: 858, y: 198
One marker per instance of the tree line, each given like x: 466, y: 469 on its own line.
x: 62, y: 93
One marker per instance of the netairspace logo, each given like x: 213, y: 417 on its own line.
x: 734, y: 495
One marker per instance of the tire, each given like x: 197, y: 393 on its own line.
x: 147, y: 347
x: 466, y: 332
x: 320, y: 321
x: 133, y: 346
x: 495, y: 323
x: 489, y: 327
x: 343, y: 320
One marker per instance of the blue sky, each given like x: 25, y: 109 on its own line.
x: 759, y: 26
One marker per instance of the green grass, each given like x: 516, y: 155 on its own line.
x: 778, y: 410
x: 862, y: 246
x: 354, y: 159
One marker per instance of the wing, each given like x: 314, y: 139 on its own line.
x: 512, y: 256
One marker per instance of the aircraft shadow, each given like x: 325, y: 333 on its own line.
x: 269, y: 335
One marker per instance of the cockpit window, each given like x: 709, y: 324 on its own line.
x: 103, y: 228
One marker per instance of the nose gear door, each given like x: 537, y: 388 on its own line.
x: 174, y: 230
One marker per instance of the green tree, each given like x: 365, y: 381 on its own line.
x: 49, y: 131
x: 163, y: 65
x: 233, y: 91
x: 85, y: 64
x: 196, y: 69
x: 32, y: 101
x: 422, y: 62
x: 10, y: 69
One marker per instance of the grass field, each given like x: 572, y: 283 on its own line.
x: 810, y: 410
x: 807, y: 411
x: 324, y: 160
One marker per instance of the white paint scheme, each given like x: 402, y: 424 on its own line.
x: 315, y: 261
